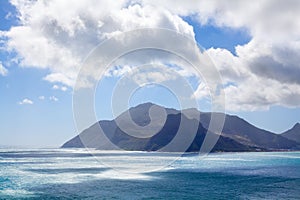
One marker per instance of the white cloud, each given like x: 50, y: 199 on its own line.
x: 55, y: 87
x: 25, y: 101
x: 257, y: 79
x: 265, y: 71
x: 8, y: 16
x: 53, y: 98
x: 3, y: 70
x: 57, y: 35
x: 60, y: 78
x: 202, y: 91
x: 118, y: 71
x: 59, y: 87
x: 41, y: 97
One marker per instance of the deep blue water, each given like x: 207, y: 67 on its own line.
x: 78, y: 174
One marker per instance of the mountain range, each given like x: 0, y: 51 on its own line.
x: 237, y: 134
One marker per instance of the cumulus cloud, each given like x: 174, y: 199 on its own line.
x: 3, y: 70
x: 270, y: 60
x: 265, y: 71
x: 25, y: 101
x: 258, y: 76
x: 57, y: 35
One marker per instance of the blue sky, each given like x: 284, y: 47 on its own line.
x: 45, y: 117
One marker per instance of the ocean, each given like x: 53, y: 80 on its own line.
x: 92, y: 174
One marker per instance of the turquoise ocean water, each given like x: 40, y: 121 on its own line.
x: 82, y: 174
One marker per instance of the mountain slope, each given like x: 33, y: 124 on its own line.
x: 293, y: 133
x: 237, y: 134
x: 247, y: 134
x: 155, y: 143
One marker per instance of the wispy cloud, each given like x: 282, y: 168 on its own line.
x: 53, y: 98
x: 3, y: 70
x: 60, y: 87
x: 41, y: 97
x: 25, y: 101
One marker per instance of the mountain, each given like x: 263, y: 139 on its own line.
x: 237, y: 134
x: 245, y: 133
x: 293, y: 133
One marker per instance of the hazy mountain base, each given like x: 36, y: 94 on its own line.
x: 237, y: 134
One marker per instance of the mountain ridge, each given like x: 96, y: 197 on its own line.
x: 293, y: 133
x: 237, y: 133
